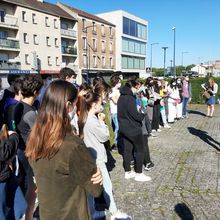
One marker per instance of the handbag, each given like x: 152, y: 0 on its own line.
x: 206, y: 94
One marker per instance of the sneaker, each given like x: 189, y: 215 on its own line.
x: 166, y: 126
x: 152, y: 135
x: 149, y: 166
x: 120, y: 215
x: 130, y: 174
x: 159, y: 130
x: 153, y: 130
x: 98, y: 215
x: 140, y: 177
x: 160, y: 126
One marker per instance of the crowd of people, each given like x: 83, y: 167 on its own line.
x: 54, y: 133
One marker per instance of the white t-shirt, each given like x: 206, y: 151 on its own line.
x: 113, y: 106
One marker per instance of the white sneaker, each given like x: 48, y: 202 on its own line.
x: 130, y: 174
x: 153, y: 130
x: 98, y: 214
x: 166, y: 126
x: 142, y: 177
x: 159, y: 130
x: 120, y: 215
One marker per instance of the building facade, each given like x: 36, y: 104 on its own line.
x: 131, y: 44
x: 96, y: 43
x: 36, y: 37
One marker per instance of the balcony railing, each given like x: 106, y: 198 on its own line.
x: 4, y: 65
x: 9, y: 44
x: 68, y: 33
x: 69, y: 50
x: 9, y: 21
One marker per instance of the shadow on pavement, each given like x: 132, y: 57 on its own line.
x: 183, y: 211
x: 203, y: 135
x: 196, y: 112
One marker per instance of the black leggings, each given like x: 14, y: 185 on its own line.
x: 146, y: 151
x: 133, y: 142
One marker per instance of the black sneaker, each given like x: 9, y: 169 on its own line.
x: 149, y: 166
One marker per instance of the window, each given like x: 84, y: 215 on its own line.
x: 24, y: 16
x: 55, y: 23
x: 94, y: 44
x: 27, y: 59
x: 94, y: 27
x: 26, y: 38
x: 111, y: 47
x: 124, y: 62
x: 142, y: 63
x: 84, y: 60
x: 48, y: 41
x: 129, y: 62
x: 35, y: 39
x: 110, y: 61
x: 83, y: 23
x: 64, y: 26
x: 3, y: 34
x: 125, y: 46
x: 56, y: 42
x: 57, y: 61
x: 133, y: 46
x: 34, y: 19
x: 84, y: 43
x: 47, y: 22
x: 2, y: 15
x: 125, y: 25
x: 49, y: 60
x: 103, y: 46
x: 110, y: 31
x: 94, y: 61
x: 103, y: 29
x: 143, y: 49
x: 103, y: 61
x: 136, y: 63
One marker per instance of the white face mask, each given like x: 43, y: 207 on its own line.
x: 73, y: 81
x: 119, y: 85
x: 72, y: 113
x: 101, y: 109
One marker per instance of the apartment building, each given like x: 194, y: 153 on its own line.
x: 131, y: 45
x: 36, y: 36
x: 96, y: 43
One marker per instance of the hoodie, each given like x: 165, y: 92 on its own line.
x: 130, y: 120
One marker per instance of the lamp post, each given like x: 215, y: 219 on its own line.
x: 151, y: 55
x: 182, y: 61
x: 164, y: 67
x: 174, y: 51
x: 87, y: 54
x: 171, y: 62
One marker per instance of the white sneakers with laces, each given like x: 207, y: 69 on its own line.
x: 120, y: 215
x: 130, y: 174
x: 141, y: 177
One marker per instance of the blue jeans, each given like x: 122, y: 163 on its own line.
x: 185, y: 102
x: 115, y: 121
x: 12, y: 202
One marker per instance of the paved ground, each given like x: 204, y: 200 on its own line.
x: 186, y: 177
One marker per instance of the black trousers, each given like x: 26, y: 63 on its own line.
x: 146, y: 151
x: 156, y: 115
x: 135, y: 143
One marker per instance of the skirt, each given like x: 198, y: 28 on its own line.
x: 211, y: 100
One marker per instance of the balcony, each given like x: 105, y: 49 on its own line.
x: 9, y: 44
x: 9, y: 22
x: 68, y: 50
x: 68, y: 33
x: 6, y: 65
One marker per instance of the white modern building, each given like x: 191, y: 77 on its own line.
x: 131, y: 42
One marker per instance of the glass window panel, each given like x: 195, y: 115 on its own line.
x: 142, y: 64
x: 124, y: 62
x: 132, y: 28
x: 131, y: 46
x: 144, y: 31
x: 137, y: 47
x: 124, y: 45
x: 136, y: 63
x: 130, y: 63
x: 139, y: 30
x: 125, y: 25
x: 143, y: 49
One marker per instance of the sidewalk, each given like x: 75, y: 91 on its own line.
x: 186, y: 177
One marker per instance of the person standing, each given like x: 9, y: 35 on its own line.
x: 130, y: 127
x: 65, y: 172
x: 186, y: 94
x: 212, y: 88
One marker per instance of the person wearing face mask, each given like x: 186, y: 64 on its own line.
x: 173, y: 100
x: 179, y: 102
x: 130, y: 128
x: 68, y: 75
x: 114, y: 96
x: 186, y: 94
x: 95, y: 133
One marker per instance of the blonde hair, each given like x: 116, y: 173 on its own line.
x: 211, y: 81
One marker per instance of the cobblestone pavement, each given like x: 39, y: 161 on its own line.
x: 186, y: 177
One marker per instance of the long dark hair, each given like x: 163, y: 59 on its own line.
x: 53, y: 122
x: 86, y: 103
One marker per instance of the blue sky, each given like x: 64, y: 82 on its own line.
x: 197, y: 25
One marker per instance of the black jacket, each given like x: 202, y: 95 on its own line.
x: 8, y: 148
x: 130, y: 120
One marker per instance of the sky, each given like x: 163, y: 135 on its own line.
x: 197, y: 25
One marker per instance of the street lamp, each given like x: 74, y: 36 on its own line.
x: 171, y: 62
x: 87, y: 53
x: 182, y: 61
x: 164, y: 67
x: 174, y: 51
x: 151, y: 55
